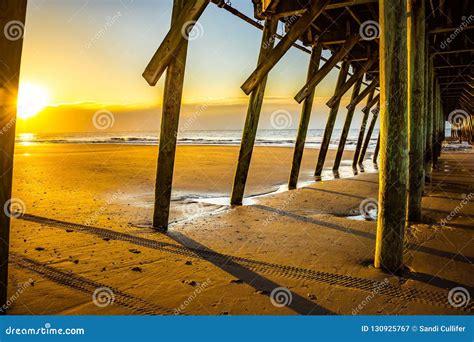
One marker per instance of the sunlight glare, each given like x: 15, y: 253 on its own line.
x: 32, y: 99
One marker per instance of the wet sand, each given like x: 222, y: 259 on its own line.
x: 86, y: 228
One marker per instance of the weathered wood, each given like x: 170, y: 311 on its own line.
x: 363, y: 125
x: 297, y: 29
x: 331, y: 120
x: 347, y: 125
x: 327, y: 67
x: 253, y: 115
x: 169, y: 127
x: 370, y: 88
x: 174, y: 40
x: 375, y: 100
x: 370, y: 130
x: 12, y: 20
x: 350, y: 82
x: 304, y: 120
x: 416, y: 93
x: 393, y: 173
x: 429, y: 122
x: 376, y: 150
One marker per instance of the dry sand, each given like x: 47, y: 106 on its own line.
x: 224, y: 260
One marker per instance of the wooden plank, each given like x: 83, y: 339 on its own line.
x: 376, y: 151
x: 349, y: 4
x: 169, y: 128
x: 253, y: 115
x: 393, y: 175
x: 416, y: 93
x: 304, y: 120
x: 331, y: 120
x: 347, y: 125
x: 299, y: 27
x: 12, y: 23
x: 429, y: 121
x: 363, y: 125
x: 366, y: 109
x: 174, y: 40
x: 370, y: 130
x: 327, y: 67
x: 351, y: 81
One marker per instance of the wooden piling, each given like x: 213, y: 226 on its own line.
x: 429, y: 122
x: 416, y: 65
x: 393, y: 175
x: 363, y: 125
x: 347, y: 124
x: 12, y: 21
x: 253, y: 115
x: 304, y: 120
x: 370, y: 130
x: 331, y: 121
x: 169, y: 128
x: 376, y: 151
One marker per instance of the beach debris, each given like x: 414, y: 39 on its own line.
x: 134, y: 251
x: 188, y: 262
x: 137, y: 269
x: 237, y: 281
x: 40, y: 249
x: 312, y: 296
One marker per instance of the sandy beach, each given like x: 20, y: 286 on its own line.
x: 86, y: 226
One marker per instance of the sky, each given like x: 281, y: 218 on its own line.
x: 89, y: 55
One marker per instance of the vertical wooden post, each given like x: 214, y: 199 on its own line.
x: 12, y: 21
x: 369, y: 134
x: 331, y: 120
x: 429, y: 123
x: 376, y: 151
x: 169, y: 129
x: 363, y: 125
x: 304, y: 120
x: 253, y: 114
x: 435, y: 123
x: 347, y: 125
x: 393, y: 176
x: 416, y: 61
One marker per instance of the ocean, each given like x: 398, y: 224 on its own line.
x: 273, y: 137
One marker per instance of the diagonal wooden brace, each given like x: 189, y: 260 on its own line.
x: 316, y: 7
x: 362, y: 95
x: 175, y: 38
x: 327, y: 67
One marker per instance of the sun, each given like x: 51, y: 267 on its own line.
x: 32, y: 99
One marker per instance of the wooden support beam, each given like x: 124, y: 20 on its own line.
x: 347, y: 125
x: 393, y: 175
x: 363, y: 125
x: 364, y: 93
x: 331, y: 120
x: 349, y: 4
x: 376, y: 151
x: 453, y: 51
x: 453, y: 66
x: 370, y: 130
x: 327, y: 67
x: 375, y: 100
x: 253, y: 115
x: 416, y: 110
x: 449, y: 29
x: 304, y: 120
x: 174, y: 40
x: 297, y: 29
x: 169, y: 126
x: 12, y: 23
x: 351, y: 81
x: 429, y: 121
